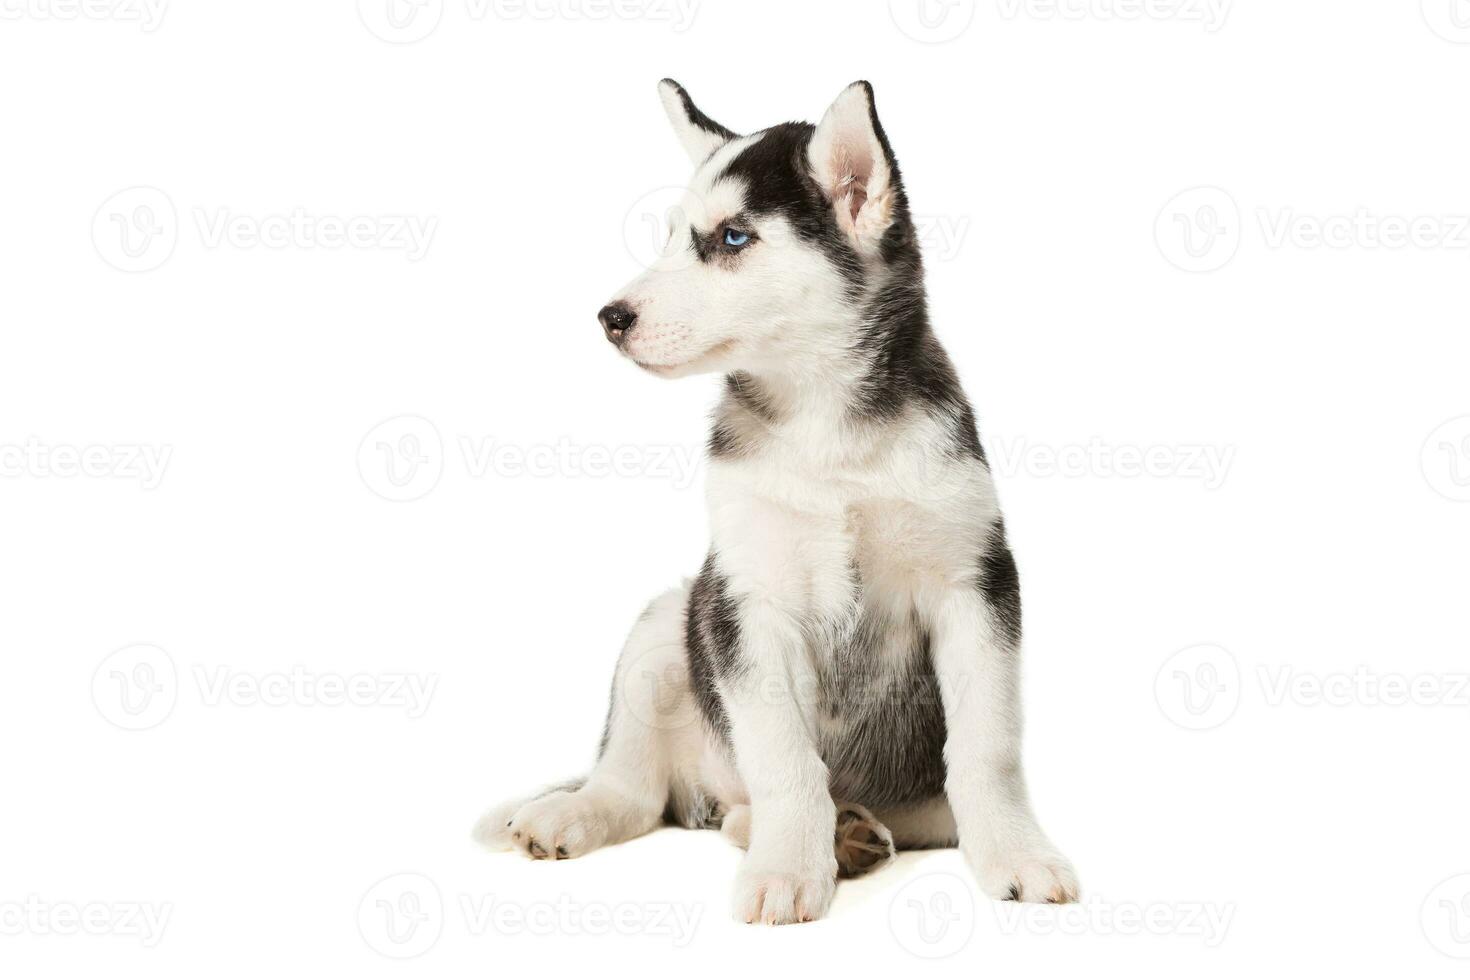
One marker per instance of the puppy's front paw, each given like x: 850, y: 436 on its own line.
x: 556, y: 826
x: 1034, y: 875
x: 777, y: 898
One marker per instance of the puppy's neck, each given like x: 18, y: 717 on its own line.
x: 823, y: 403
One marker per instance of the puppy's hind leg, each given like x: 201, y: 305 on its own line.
x: 920, y: 826
x: 736, y: 826
x: 625, y: 794
x: 493, y: 829
x: 862, y: 844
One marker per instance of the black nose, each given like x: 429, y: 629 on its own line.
x: 616, y: 319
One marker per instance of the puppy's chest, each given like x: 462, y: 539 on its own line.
x: 894, y: 550
x: 872, y: 631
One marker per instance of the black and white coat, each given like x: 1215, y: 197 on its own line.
x: 845, y: 666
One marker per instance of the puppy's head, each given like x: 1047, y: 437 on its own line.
x: 778, y: 244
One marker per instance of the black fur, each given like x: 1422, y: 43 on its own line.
x: 892, y: 748
x: 689, y: 806
x: 711, y: 641
x: 777, y: 181
x: 743, y: 396
x: 1000, y: 583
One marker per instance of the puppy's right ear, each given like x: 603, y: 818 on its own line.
x: 700, y: 134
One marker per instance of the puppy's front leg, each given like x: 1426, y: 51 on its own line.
x: 790, y: 871
x: 979, y: 678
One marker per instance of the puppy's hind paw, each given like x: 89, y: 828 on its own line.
x: 863, y: 844
x: 735, y: 827
x: 554, y: 827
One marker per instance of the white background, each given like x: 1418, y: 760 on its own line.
x: 1052, y: 155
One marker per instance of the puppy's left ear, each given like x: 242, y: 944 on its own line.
x: 854, y: 166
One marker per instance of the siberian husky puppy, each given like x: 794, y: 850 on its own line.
x: 842, y: 676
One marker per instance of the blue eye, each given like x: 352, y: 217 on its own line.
x: 735, y: 238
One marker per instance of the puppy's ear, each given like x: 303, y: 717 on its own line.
x: 700, y: 134
x: 853, y: 164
